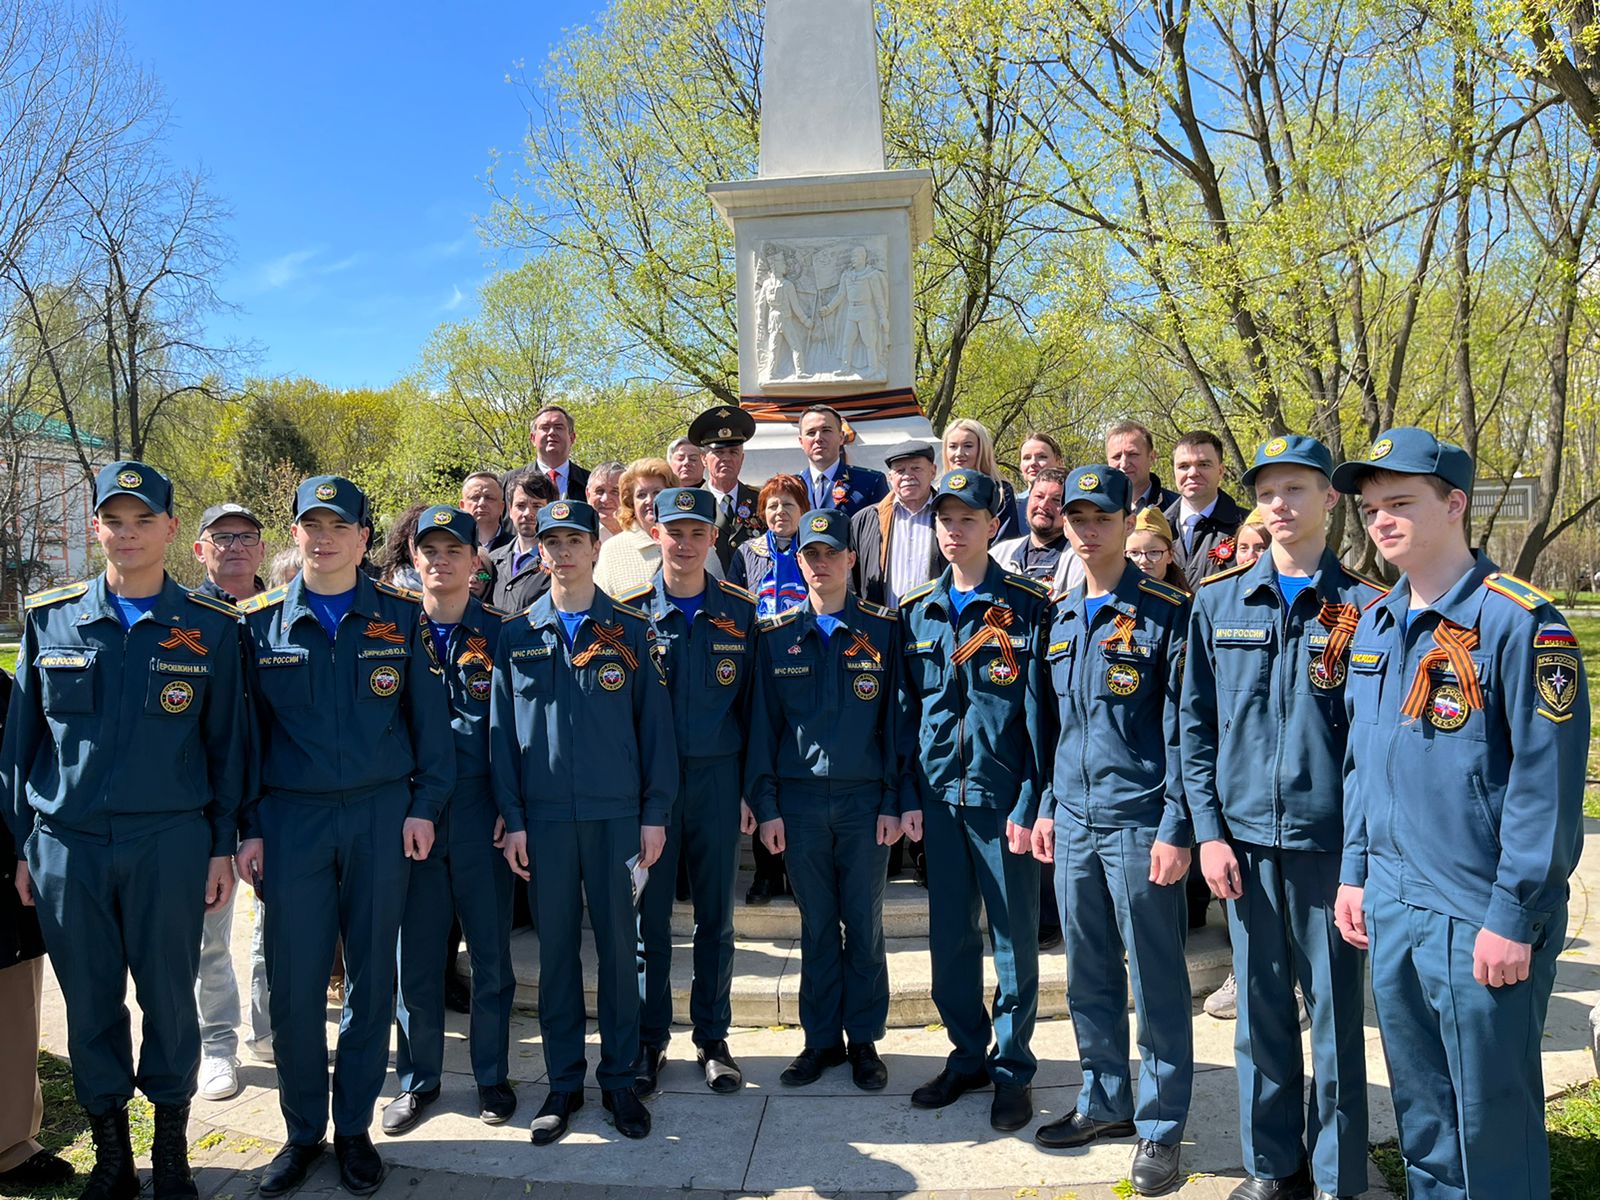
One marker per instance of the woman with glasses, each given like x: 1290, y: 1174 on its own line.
x: 1149, y: 547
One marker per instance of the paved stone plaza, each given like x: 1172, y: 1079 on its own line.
x: 829, y: 1138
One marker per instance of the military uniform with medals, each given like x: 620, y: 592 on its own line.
x: 737, y: 520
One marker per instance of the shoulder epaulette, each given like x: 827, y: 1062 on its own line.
x: 1228, y: 574
x: 733, y: 589
x: 1023, y: 583
x: 632, y: 612
x: 878, y: 610
x: 494, y: 612
x: 67, y: 591
x: 264, y: 600
x: 507, y: 617
x: 632, y: 594
x: 917, y: 593
x: 389, y: 589
x: 1381, y: 589
x: 782, y: 618
x: 1166, y: 591
x: 1520, y: 590
x: 222, y: 606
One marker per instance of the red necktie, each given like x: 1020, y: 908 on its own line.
x: 555, y: 479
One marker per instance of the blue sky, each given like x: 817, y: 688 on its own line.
x: 350, y: 141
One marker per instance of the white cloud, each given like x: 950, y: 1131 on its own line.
x: 457, y: 299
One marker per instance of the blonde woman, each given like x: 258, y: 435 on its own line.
x: 630, y: 559
x: 1253, y: 538
x: 968, y: 447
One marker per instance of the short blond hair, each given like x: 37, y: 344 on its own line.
x: 641, y: 468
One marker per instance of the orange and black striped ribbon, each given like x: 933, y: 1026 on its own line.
x: 1453, y: 644
x: 477, y: 651
x: 1340, y: 620
x: 385, y: 631
x: 1123, y: 633
x: 861, y: 644
x: 728, y: 626
x: 867, y: 406
x: 185, y: 637
x: 995, y: 623
x: 606, y: 635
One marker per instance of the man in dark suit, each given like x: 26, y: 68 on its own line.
x: 721, y: 434
x: 519, y: 574
x: 1205, y: 520
x: 552, y: 435
x: 893, y: 540
x: 830, y: 481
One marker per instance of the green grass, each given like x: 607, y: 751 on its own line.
x: 8, y: 659
x: 1588, y: 631
x: 66, y: 1127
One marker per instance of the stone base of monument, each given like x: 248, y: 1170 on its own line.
x: 776, y: 445
x: 766, y: 963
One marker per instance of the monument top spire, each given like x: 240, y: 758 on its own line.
x: 821, y: 113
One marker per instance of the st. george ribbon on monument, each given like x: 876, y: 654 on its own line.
x: 823, y: 240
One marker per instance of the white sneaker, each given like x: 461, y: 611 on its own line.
x: 219, y: 1078
x: 1223, y: 1003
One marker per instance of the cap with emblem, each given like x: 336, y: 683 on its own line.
x: 1408, y: 451
x: 446, y: 518
x: 686, y: 504
x: 136, y: 479
x: 721, y: 427
x: 909, y: 449
x: 972, y: 488
x: 1104, y: 487
x: 569, y: 514
x: 824, y: 527
x: 217, y: 511
x: 334, y: 493
x: 1295, y: 449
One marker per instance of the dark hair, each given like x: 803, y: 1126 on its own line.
x: 572, y: 426
x: 1038, y: 435
x: 396, y: 552
x: 826, y: 410
x: 530, y: 480
x: 1052, y: 475
x: 490, y: 475
x: 1196, y: 438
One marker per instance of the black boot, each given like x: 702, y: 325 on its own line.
x: 169, y: 1155
x: 113, y: 1177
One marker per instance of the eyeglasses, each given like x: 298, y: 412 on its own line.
x: 1147, y: 555
x: 222, y: 541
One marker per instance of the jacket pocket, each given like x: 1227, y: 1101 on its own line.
x: 67, y: 677
x: 178, y: 696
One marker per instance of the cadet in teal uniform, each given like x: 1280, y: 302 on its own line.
x: 357, y: 762
x: 828, y: 767
x: 704, y: 642
x: 584, y: 763
x: 1463, y: 818
x: 974, y: 689
x: 1114, y: 823
x: 1264, y: 742
x: 464, y: 874
x: 122, y: 777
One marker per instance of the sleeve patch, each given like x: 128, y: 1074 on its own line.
x: 1558, y: 677
x: 1555, y: 634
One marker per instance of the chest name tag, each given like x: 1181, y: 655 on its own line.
x: 62, y: 662
x: 727, y: 647
x: 782, y: 671
x: 1240, y: 636
x: 164, y: 667
x: 527, y: 652
x: 281, y: 660
x: 1367, y: 661
x: 383, y: 652
x: 913, y: 647
x: 1316, y: 640
x: 862, y: 664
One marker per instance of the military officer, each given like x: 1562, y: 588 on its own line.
x: 721, y: 433
x: 705, y: 643
x: 1263, y: 745
x: 828, y: 779
x: 122, y: 778
x: 1113, y: 822
x: 974, y: 690
x: 1463, y: 820
x: 357, y: 762
x: 584, y: 765
x: 464, y: 874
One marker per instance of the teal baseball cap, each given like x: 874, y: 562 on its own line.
x: 686, y: 504
x: 569, y: 514
x: 1408, y: 450
x: 334, y: 493
x: 1103, y: 486
x: 446, y: 518
x: 1293, y: 449
x: 825, y: 527
x: 136, y: 479
x: 972, y: 488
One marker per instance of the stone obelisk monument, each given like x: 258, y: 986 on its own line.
x: 823, y: 240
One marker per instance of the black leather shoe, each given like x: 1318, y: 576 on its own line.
x: 1296, y: 1187
x: 647, y: 1073
x: 1154, y: 1169
x: 289, y: 1168
x: 631, y: 1118
x: 1075, y: 1129
x: 809, y: 1065
x: 761, y: 892
x: 1011, y: 1109
x: 551, y: 1121
x: 113, y: 1177
x: 360, y: 1168
x: 170, y: 1177
x: 867, y: 1071
x: 496, y: 1104
x: 948, y: 1086
x: 722, y: 1072
x: 405, y: 1110
x: 1050, y: 938
x: 43, y: 1170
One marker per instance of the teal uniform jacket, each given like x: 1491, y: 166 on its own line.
x: 1263, y: 716
x: 707, y: 666
x: 826, y: 709
x: 1472, y: 811
x: 1117, y: 762
x: 112, y: 735
x: 468, y: 671
x: 351, y: 715
x: 585, y: 733
x: 980, y: 724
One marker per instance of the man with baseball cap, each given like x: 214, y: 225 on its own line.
x: 357, y: 760
x: 1264, y: 735
x: 122, y: 773
x: 464, y: 875
x: 1463, y: 818
x: 704, y: 641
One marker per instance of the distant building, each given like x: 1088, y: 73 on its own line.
x: 45, y: 505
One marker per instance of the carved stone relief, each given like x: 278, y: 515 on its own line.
x: 822, y: 310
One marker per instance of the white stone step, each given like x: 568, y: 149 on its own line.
x: 905, y: 914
